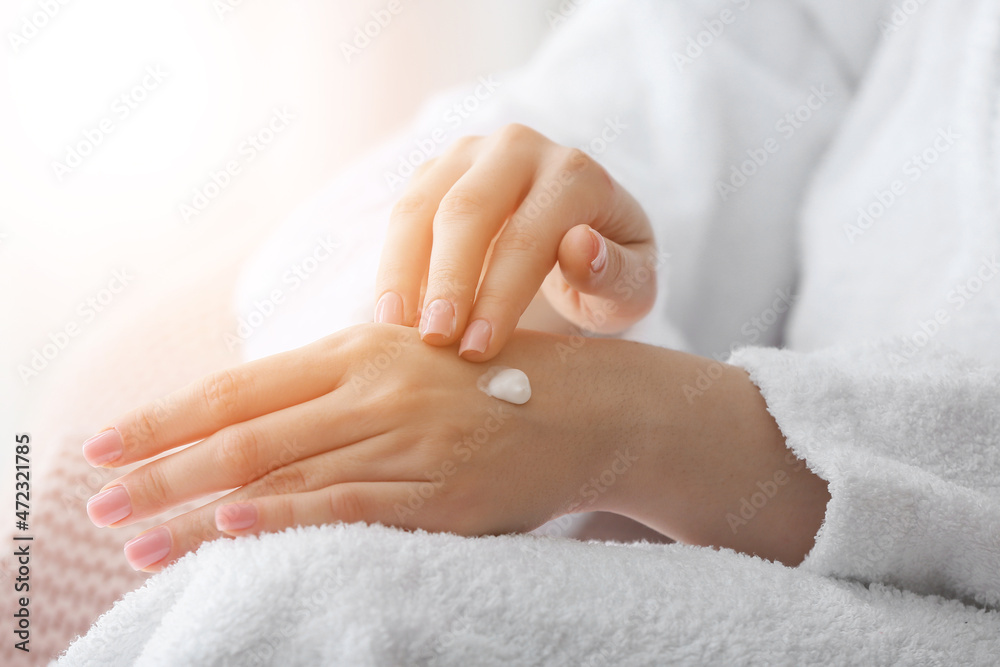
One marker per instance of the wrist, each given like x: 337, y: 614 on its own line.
x: 702, y: 444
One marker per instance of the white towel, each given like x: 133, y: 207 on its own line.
x: 357, y: 595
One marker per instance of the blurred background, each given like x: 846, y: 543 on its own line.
x: 113, y: 115
x: 121, y: 230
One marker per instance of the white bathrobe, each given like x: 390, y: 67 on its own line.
x: 824, y: 179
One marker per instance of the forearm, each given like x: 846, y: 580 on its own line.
x: 712, y: 467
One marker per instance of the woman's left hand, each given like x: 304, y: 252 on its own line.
x: 365, y: 425
x: 369, y: 424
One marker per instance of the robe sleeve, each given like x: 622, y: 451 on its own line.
x: 909, y: 441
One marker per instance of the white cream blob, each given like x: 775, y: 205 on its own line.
x: 507, y: 384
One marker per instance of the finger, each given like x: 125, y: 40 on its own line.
x: 527, y: 249
x: 235, y: 456
x: 154, y: 549
x: 407, y: 248
x: 467, y: 220
x: 219, y: 400
x: 616, y: 284
x: 389, y: 503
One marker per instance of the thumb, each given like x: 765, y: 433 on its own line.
x: 601, y: 270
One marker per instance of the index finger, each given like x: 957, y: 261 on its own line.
x: 218, y: 400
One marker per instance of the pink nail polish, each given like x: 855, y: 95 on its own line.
x: 103, y: 448
x: 601, y: 260
x: 238, y: 516
x: 389, y: 309
x: 149, y: 548
x: 109, y: 506
x: 477, y: 337
x: 438, y: 319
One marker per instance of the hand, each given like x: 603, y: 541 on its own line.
x: 365, y: 425
x: 370, y: 425
x: 497, y: 213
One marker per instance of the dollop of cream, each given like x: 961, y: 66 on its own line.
x: 507, y: 384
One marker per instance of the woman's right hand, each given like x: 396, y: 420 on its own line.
x: 481, y: 228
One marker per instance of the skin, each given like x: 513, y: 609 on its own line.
x: 482, y: 228
x: 310, y: 439
x: 383, y: 422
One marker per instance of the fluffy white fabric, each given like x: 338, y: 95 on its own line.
x: 834, y: 161
x: 355, y: 595
x: 910, y: 451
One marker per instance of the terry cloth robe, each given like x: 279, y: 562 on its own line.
x: 822, y: 178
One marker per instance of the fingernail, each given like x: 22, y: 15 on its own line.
x: 477, y: 337
x: 389, y: 309
x: 438, y: 319
x: 238, y: 516
x: 601, y: 248
x: 103, y: 448
x: 148, y: 548
x: 109, y: 506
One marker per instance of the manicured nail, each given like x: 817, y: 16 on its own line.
x: 238, y: 516
x: 103, y: 448
x: 389, y: 309
x: 601, y: 248
x: 438, y: 319
x: 109, y: 506
x: 148, y: 548
x: 477, y: 337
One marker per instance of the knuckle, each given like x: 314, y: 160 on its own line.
x: 424, y: 168
x: 156, y: 489
x: 515, y: 134
x: 516, y: 239
x: 237, y: 452
x: 576, y: 161
x: 464, y: 144
x: 457, y: 206
x: 498, y: 303
x: 221, y: 392
x: 286, y: 480
x: 409, y: 205
x: 144, y: 425
x: 347, y: 504
x: 446, y: 282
